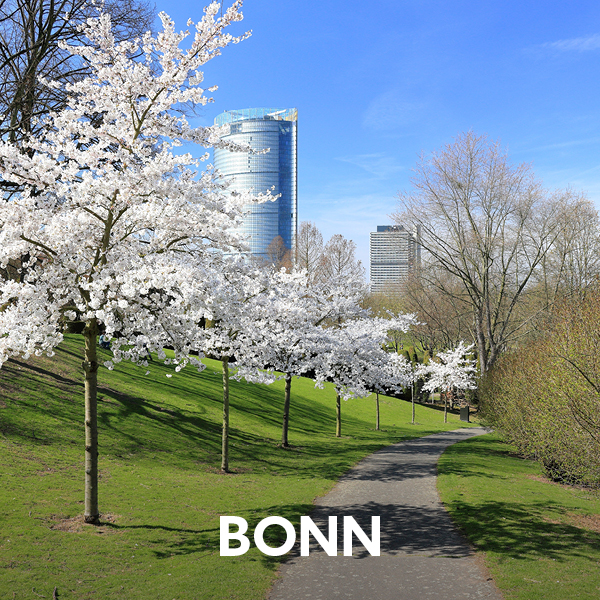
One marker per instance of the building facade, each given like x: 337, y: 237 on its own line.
x: 274, y: 129
x: 395, y: 252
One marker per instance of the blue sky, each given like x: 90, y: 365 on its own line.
x: 377, y: 83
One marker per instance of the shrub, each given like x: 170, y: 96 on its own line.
x: 545, y: 398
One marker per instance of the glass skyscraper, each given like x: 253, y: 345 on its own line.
x: 276, y: 170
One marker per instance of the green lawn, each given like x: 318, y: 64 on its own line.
x: 160, y: 490
x: 541, y: 540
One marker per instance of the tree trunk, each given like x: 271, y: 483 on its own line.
x: 377, y: 405
x: 445, y: 407
x: 286, y: 410
x: 225, y: 436
x: 481, y: 344
x: 90, y: 368
x: 412, y: 399
x: 338, y: 415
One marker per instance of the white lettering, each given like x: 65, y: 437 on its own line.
x: 225, y: 536
x: 260, y: 530
x: 307, y: 526
x: 371, y: 545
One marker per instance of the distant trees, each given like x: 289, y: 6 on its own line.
x: 487, y: 226
x: 441, y: 303
x: 452, y: 370
x: 279, y: 255
x: 339, y: 260
x: 309, y: 249
x: 333, y: 262
x: 355, y: 361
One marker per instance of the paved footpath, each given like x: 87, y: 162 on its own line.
x: 423, y: 557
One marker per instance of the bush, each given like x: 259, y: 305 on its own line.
x: 546, y: 398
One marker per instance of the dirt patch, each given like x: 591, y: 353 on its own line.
x: 588, y: 522
x: 232, y: 471
x: 78, y: 525
x: 591, y: 522
x: 553, y: 521
x: 565, y: 486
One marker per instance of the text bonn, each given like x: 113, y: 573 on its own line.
x: 307, y: 528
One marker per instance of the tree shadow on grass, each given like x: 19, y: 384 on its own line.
x: 469, y: 459
x: 266, y: 405
x: 140, y: 425
x: 181, y: 541
x: 176, y: 541
x: 194, y: 428
x: 63, y: 381
x: 524, y: 530
x: 513, y: 530
x: 261, y: 404
x: 159, y: 422
x: 204, y: 434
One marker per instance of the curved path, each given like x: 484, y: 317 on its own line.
x: 423, y: 557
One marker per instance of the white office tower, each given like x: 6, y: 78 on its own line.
x: 395, y: 253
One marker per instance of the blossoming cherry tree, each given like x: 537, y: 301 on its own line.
x: 121, y: 230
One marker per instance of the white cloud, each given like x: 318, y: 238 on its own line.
x: 378, y: 164
x: 567, y: 144
x: 390, y: 111
x: 580, y: 44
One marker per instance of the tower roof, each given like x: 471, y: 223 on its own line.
x: 246, y: 114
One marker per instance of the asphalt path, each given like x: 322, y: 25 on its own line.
x: 423, y: 557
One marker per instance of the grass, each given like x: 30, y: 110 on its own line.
x: 541, y: 540
x: 161, y: 494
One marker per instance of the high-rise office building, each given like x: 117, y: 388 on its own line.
x: 395, y: 252
x: 264, y: 128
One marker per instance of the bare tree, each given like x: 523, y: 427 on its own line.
x: 442, y: 307
x: 339, y: 260
x: 309, y: 249
x: 31, y: 32
x: 279, y: 255
x: 573, y: 263
x: 488, y: 224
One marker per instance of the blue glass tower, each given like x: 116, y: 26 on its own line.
x: 264, y: 128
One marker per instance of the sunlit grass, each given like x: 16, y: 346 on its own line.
x: 160, y: 491
x: 541, y: 540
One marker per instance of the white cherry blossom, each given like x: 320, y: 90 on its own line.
x: 115, y: 229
